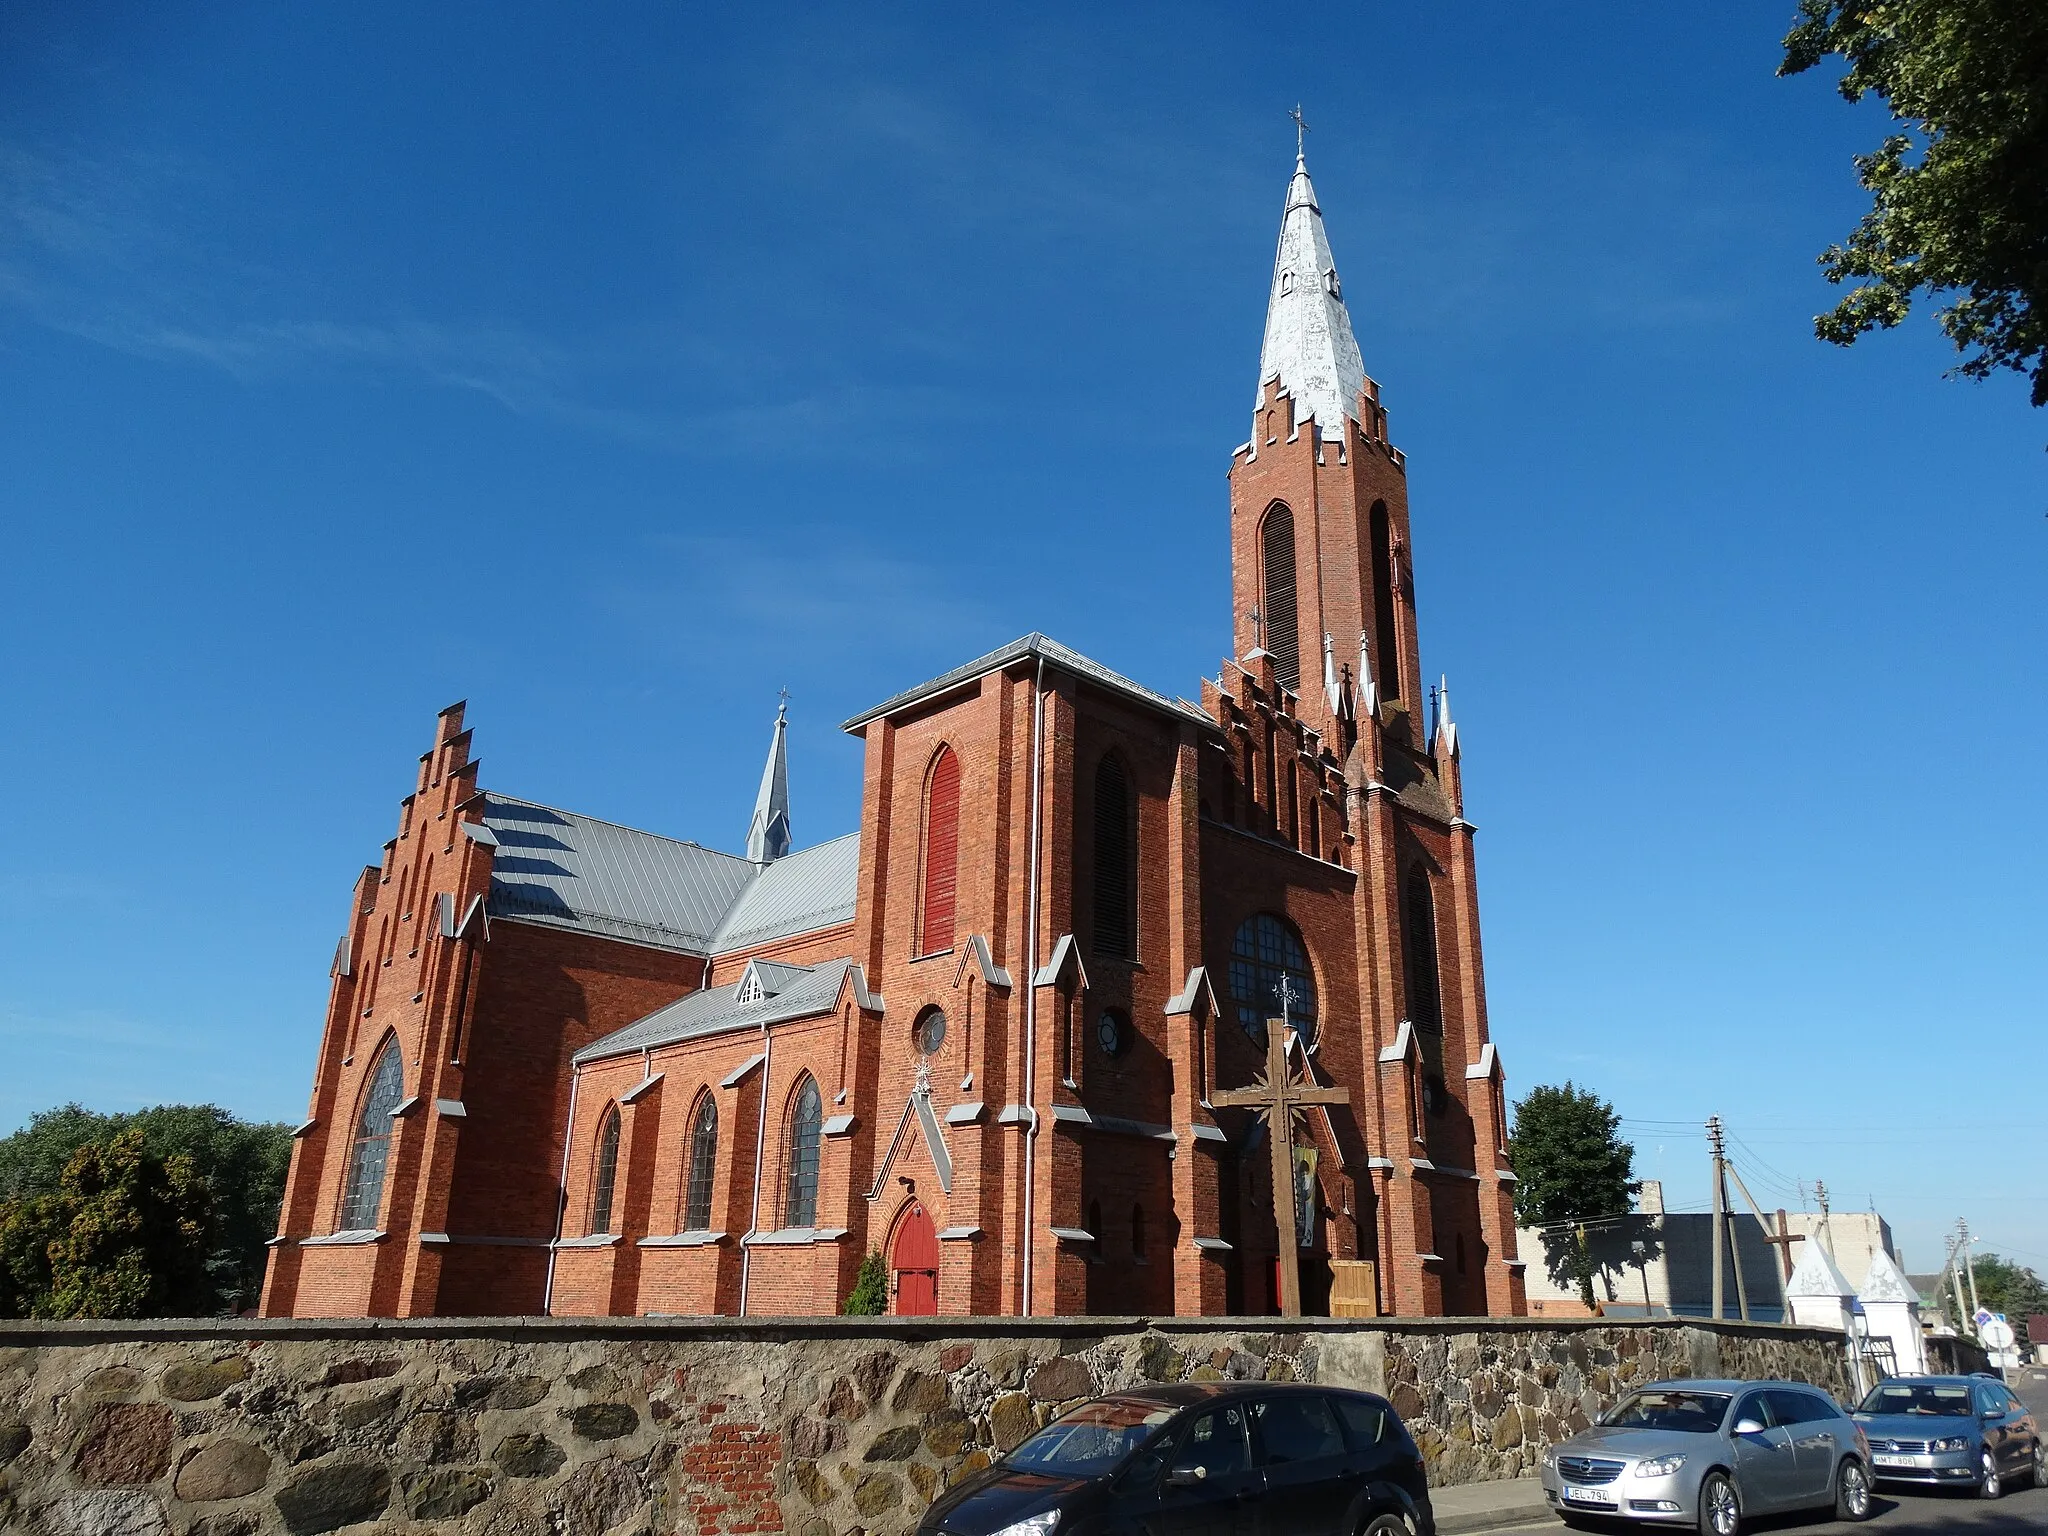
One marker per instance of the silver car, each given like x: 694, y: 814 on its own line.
x: 1709, y: 1454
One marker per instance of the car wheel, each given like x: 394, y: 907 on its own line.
x: 1988, y: 1485
x: 2038, y: 1476
x: 1720, y: 1510
x: 1852, y: 1491
x: 1384, y: 1525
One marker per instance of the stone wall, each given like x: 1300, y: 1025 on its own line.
x: 552, y: 1427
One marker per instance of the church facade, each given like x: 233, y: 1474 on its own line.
x: 574, y: 1068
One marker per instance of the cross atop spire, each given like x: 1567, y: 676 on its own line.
x: 768, y: 835
x: 1309, y: 348
x: 1300, y: 136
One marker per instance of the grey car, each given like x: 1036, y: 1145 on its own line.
x: 1952, y: 1432
x: 1709, y: 1454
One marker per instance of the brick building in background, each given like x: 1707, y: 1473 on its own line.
x: 575, y: 1068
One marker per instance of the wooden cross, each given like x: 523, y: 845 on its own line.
x: 1278, y: 1099
x: 1784, y: 1241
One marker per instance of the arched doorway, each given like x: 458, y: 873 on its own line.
x: 914, y: 1262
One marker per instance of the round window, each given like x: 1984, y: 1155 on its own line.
x: 930, y: 1032
x: 1111, y: 1033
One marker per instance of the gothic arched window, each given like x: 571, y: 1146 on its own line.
x: 1425, y: 999
x: 1386, y: 629
x: 363, y: 1195
x: 703, y: 1165
x: 800, y: 1186
x: 1116, y: 875
x: 1276, y: 600
x: 941, y: 854
x: 605, y: 1180
x: 1265, y: 954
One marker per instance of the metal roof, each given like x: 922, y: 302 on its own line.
x: 1030, y: 647
x: 806, y: 992
x: 568, y: 871
x: 797, y: 893
x: 572, y: 871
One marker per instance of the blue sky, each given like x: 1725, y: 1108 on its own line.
x: 615, y: 366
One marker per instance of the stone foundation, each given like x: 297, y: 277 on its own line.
x: 550, y: 1427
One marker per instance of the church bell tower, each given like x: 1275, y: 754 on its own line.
x: 1320, y: 570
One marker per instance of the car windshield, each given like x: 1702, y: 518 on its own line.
x: 1919, y: 1399
x: 1093, y: 1439
x: 1698, y: 1413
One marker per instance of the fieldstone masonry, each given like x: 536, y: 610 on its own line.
x: 545, y: 1427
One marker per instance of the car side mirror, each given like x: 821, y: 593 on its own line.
x: 1187, y: 1477
x: 1748, y: 1427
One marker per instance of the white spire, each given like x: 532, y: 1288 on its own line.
x: 1446, y: 727
x: 1309, y: 345
x: 768, y: 836
x: 1330, y: 687
x: 1368, y: 691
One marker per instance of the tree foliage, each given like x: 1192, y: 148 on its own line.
x: 122, y: 1235
x: 239, y: 1168
x: 1959, y: 201
x: 2014, y: 1289
x: 870, y: 1294
x: 1571, y: 1167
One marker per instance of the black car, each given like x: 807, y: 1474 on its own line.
x: 1203, y: 1459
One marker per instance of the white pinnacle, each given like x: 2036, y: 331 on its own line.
x: 1309, y: 345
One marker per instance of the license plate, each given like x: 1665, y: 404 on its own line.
x: 1894, y: 1461
x: 1588, y: 1495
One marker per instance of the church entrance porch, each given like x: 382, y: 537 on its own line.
x: 914, y: 1264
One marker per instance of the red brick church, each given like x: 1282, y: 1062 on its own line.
x: 570, y: 1067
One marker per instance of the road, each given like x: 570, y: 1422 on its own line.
x: 1899, y: 1512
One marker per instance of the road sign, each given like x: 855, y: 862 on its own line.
x: 1997, y: 1334
x: 1983, y: 1316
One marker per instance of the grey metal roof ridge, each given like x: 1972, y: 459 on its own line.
x: 1038, y: 645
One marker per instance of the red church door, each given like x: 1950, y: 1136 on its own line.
x: 915, y: 1261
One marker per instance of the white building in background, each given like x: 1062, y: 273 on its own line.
x: 1665, y: 1260
x: 1891, y: 1309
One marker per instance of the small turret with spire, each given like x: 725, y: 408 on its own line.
x: 768, y: 836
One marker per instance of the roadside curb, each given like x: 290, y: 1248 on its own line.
x: 1511, y: 1505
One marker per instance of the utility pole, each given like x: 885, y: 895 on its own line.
x: 1824, y: 1232
x: 1954, y: 1271
x: 1714, y: 1147
x: 1970, y: 1268
x: 1724, y: 1223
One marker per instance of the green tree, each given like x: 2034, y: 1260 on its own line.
x: 2014, y: 1289
x: 1571, y: 1167
x: 870, y: 1294
x: 240, y: 1164
x: 1959, y: 200
x: 123, y: 1235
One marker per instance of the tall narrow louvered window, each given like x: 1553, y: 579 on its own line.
x: 1116, y: 882
x: 363, y: 1194
x: 941, y: 854
x: 703, y: 1166
x: 607, y: 1175
x: 1425, y: 1000
x: 800, y: 1188
x: 1283, y: 626
x: 1386, y: 640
